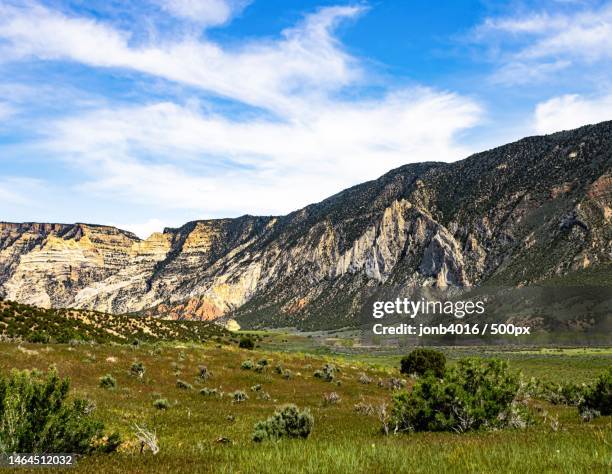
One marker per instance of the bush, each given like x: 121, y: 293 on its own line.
x: 246, y: 343
x: 566, y: 394
x: 327, y: 373
x: 558, y: 394
x: 108, y: 381
x: 394, y: 383
x: 247, y: 364
x: 287, y: 422
x: 183, y: 385
x: 598, y: 398
x: 36, y: 417
x: 161, y: 404
x: 137, y: 369
x: 38, y: 337
x: 420, y: 361
x: 331, y: 398
x: 205, y: 374
x: 209, y: 392
x: 364, y: 379
x: 239, y: 396
x: 473, y: 394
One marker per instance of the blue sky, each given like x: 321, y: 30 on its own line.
x: 147, y: 114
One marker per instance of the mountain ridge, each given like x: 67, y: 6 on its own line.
x: 513, y: 215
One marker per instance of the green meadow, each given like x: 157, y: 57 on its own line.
x: 212, y: 433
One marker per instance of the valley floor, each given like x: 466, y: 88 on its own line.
x: 343, y: 440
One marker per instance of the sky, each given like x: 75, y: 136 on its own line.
x: 152, y: 113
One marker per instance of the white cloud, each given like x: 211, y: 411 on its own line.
x: 571, y: 111
x: 205, y: 12
x: 341, y: 144
x: 533, y: 47
x: 168, y: 156
x: 142, y: 229
x: 283, y: 75
x: 521, y: 73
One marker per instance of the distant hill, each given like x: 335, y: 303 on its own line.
x: 28, y: 323
x: 519, y: 215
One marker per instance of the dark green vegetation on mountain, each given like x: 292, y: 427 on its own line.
x: 21, y: 322
x: 535, y: 213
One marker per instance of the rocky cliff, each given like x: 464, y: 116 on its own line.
x: 522, y: 213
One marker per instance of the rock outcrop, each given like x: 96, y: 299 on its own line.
x: 518, y: 214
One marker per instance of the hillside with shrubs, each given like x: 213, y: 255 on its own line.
x: 20, y: 322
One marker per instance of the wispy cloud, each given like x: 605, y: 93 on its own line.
x: 305, y: 63
x: 209, y: 162
x: 205, y: 12
x: 571, y: 111
x: 533, y: 47
x: 313, y: 127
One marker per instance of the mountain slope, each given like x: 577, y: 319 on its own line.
x: 512, y: 216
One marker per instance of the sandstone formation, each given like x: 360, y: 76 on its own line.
x: 518, y: 214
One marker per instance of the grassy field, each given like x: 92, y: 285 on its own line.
x: 342, y: 440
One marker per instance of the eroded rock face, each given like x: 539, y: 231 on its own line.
x: 493, y: 217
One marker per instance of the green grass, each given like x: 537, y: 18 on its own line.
x: 342, y: 440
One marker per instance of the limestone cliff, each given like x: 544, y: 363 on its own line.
x: 518, y: 214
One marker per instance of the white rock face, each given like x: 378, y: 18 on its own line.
x: 109, y: 270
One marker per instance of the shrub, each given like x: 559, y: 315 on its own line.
x: 205, y: 374
x: 247, y: 364
x: 137, y: 369
x: 183, y: 385
x: 473, y: 394
x: 558, y: 394
x: 108, y: 381
x: 262, y: 362
x: 287, y: 422
x: 327, y: 373
x: 36, y: 416
x: 421, y: 360
x: 331, y: 398
x: 209, y: 392
x: 287, y: 374
x: 38, y: 337
x: 364, y: 379
x: 147, y: 438
x: 395, y: 384
x: 598, y: 398
x: 364, y: 408
x: 256, y: 388
x: 161, y: 404
x: 588, y: 415
x: 278, y: 368
x: 246, y: 343
x: 239, y: 396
